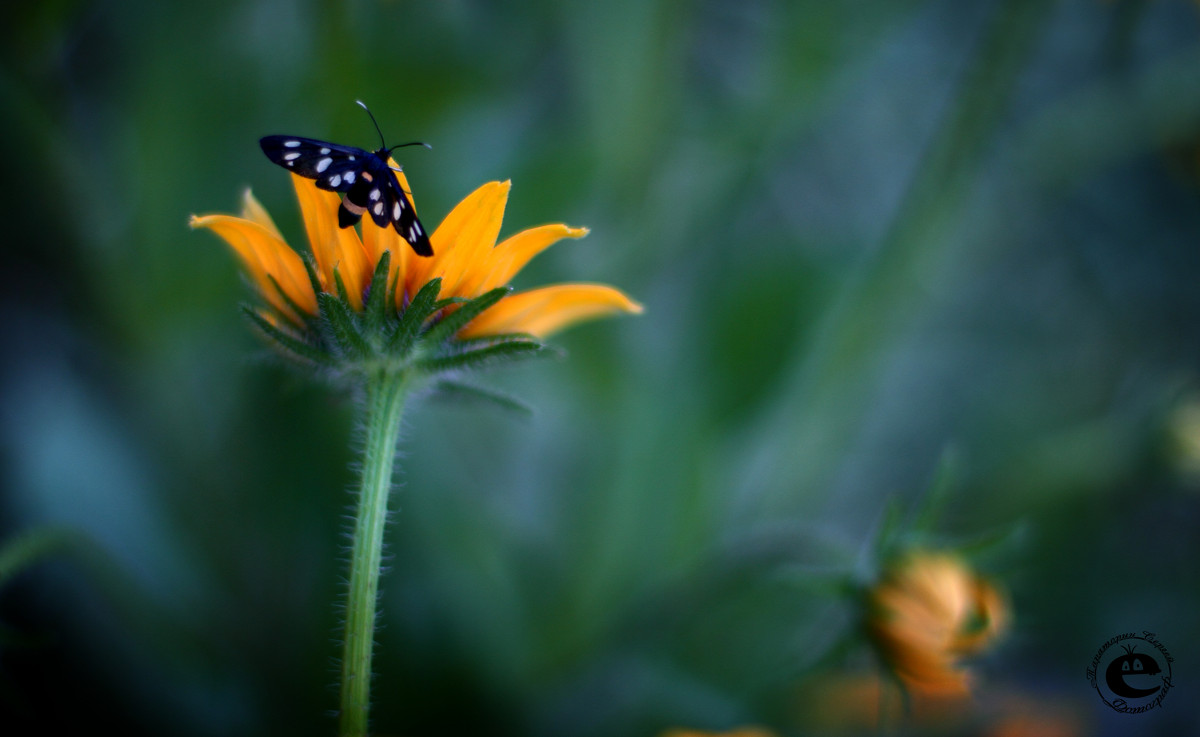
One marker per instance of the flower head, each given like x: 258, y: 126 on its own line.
x: 466, y: 258
x: 927, y: 612
x: 369, y: 297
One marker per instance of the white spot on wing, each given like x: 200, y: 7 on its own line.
x: 291, y: 144
x: 374, y: 194
x: 417, y: 227
x: 396, y: 210
x: 324, y: 150
x: 291, y: 155
x: 323, y: 164
x: 349, y: 177
x: 335, y: 180
x: 378, y: 208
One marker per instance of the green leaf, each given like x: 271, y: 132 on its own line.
x: 929, y: 508
x: 341, y: 326
x: 23, y: 551
x: 414, y: 317
x: 375, y: 310
x: 289, y: 343
x: 832, y: 657
x: 461, y: 390
x: 457, y: 320
x: 491, y: 355
x: 26, y: 549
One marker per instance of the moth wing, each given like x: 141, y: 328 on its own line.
x: 399, y: 213
x: 409, y: 226
x: 334, y: 167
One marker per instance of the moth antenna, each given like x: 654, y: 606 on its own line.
x: 382, y: 143
x: 414, y: 143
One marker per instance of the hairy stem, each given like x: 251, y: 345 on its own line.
x: 384, y: 406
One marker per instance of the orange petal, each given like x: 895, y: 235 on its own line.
x: 253, y: 210
x: 506, y: 259
x: 403, y: 180
x: 546, y: 310
x: 463, y: 240
x: 333, y: 247
x: 264, y: 255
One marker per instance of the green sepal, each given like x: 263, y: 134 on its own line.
x: 468, y: 311
x: 375, y: 310
x: 288, y: 343
x: 340, y: 285
x: 445, y: 302
x: 452, y: 389
x: 416, y: 340
x: 341, y: 328
x: 503, y: 352
x: 888, y: 533
x: 300, y: 312
x: 485, y: 340
x: 393, y: 287
x: 310, y: 268
x: 936, y: 497
x: 414, y: 317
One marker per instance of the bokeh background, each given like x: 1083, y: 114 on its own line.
x: 873, y: 239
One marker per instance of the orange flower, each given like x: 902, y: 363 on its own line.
x: 466, y: 258
x: 927, y: 612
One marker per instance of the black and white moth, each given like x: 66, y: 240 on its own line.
x: 369, y: 184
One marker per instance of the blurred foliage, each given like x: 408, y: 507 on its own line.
x: 863, y: 232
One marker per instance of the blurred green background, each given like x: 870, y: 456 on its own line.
x: 865, y: 233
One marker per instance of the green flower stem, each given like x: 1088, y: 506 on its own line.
x: 386, y: 391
